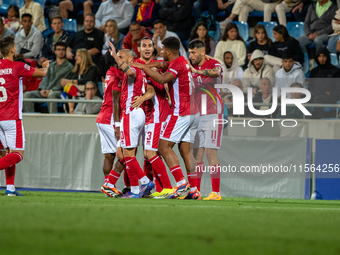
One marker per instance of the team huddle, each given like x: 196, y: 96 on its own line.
x: 136, y: 107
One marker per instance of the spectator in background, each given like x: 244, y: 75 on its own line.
x: 4, y: 32
x: 112, y: 34
x: 89, y: 38
x: 28, y: 40
x: 300, y: 11
x: 160, y: 33
x: 146, y: 13
x: 262, y: 42
x: 324, y: 90
x: 242, y: 8
x: 92, y: 6
x: 58, y: 35
x: 132, y: 39
x: 257, y: 69
x: 84, y: 70
x: 283, y: 44
x: 318, y: 24
x: 119, y: 10
x: 91, y: 90
x: 290, y: 72
x: 264, y: 96
x: 200, y: 32
x: 334, y: 38
x: 37, y: 12
x: 50, y: 85
x: 281, y: 8
x: 231, y: 70
x: 177, y: 16
x: 220, y: 5
x: 12, y: 21
x: 231, y: 40
x: 227, y: 96
x: 293, y: 112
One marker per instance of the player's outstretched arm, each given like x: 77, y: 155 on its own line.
x: 41, y: 72
x: 160, y: 78
x: 116, y: 112
x: 215, y: 72
x: 138, y: 101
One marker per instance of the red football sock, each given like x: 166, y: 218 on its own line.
x: 10, y: 175
x: 192, y: 178
x: 106, y: 178
x: 215, y: 177
x: 133, y: 170
x: 157, y: 182
x: 177, y: 173
x: 159, y: 167
x: 148, y: 169
x: 126, y: 179
x: 199, y: 170
x: 10, y: 160
x: 113, y: 177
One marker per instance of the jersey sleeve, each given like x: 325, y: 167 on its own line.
x: 174, y: 69
x: 24, y: 70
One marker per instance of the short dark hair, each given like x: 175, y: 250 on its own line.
x: 109, y: 60
x: 158, y: 21
x: 196, y: 44
x: 62, y: 44
x: 144, y: 38
x: 172, y: 43
x: 135, y: 23
x: 56, y: 17
x: 6, y: 44
x: 90, y: 14
x: 287, y: 56
x: 26, y: 15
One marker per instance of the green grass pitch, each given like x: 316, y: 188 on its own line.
x: 89, y: 223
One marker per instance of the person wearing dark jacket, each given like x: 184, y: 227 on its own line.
x: 177, y: 14
x: 58, y: 35
x: 323, y: 88
x: 318, y: 24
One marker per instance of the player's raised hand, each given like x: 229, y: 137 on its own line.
x: 113, y: 49
x: 46, y: 64
x: 193, y: 70
x: 137, y: 102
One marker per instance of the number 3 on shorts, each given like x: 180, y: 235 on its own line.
x: 3, y: 98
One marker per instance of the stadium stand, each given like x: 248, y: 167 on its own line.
x: 269, y: 28
x: 7, y: 3
x: 243, y: 29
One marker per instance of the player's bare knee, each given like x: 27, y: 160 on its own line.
x: 149, y: 154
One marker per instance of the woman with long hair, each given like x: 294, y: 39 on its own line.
x: 84, y: 70
x: 201, y: 32
x: 12, y: 21
x: 262, y: 42
x: 112, y: 34
x: 283, y: 44
x: 231, y: 41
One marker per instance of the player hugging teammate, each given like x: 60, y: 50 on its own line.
x: 145, y: 112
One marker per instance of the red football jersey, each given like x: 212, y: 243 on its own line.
x: 132, y: 87
x: 11, y: 88
x: 182, y: 88
x: 205, y: 85
x: 113, y: 81
x: 157, y: 108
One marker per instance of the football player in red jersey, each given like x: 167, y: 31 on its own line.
x: 12, y: 134
x: 108, y: 123
x: 206, y: 74
x: 157, y: 109
x: 133, y: 121
x: 180, y: 127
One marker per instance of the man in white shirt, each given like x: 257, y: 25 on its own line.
x: 119, y: 10
x: 160, y: 34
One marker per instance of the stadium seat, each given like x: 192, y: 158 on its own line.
x: 269, y: 28
x: 334, y: 59
x: 296, y: 29
x: 70, y: 25
x: 47, y: 23
x: 221, y: 14
x: 7, y: 3
x: 306, y: 67
x: 243, y: 29
x: 100, y: 88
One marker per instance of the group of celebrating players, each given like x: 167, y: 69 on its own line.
x: 136, y: 105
